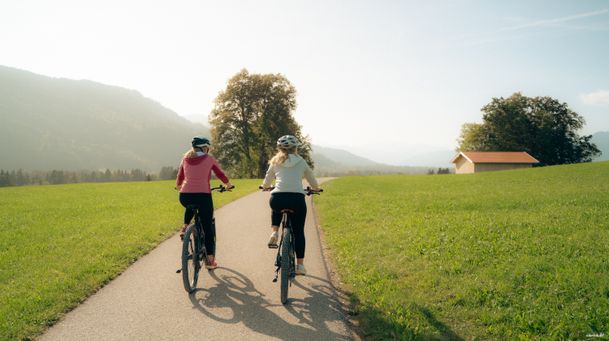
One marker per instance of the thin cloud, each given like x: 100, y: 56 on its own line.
x: 591, y: 28
x: 600, y: 97
x: 557, y: 21
x: 523, y: 30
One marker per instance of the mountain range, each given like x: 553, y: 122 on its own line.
x: 333, y: 161
x: 601, y: 140
x: 56, y: 123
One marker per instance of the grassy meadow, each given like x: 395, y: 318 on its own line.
x: 61, y: 243
x: 504, y: 255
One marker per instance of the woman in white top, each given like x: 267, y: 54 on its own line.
x: 288, y: 169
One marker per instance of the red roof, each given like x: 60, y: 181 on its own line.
x: 497, y: 157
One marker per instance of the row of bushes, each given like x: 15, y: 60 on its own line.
x: 22, y: 178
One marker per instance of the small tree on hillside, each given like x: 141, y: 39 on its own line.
x: 247, y: 119
x: 473, y: 138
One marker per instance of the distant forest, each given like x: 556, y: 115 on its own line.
x: 53, y: 177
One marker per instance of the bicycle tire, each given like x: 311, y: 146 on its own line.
x: 191, y: 264
x: 213, y: 226
x: 285, y: 264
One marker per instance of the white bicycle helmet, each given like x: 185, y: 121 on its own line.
x: 287, y: 141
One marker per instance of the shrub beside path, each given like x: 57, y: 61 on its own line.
x: 237, y: 301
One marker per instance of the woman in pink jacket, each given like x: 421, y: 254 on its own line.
x: 193, y: 179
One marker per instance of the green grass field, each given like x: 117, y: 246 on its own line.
x: 505, y: 255
x: 61, y: 243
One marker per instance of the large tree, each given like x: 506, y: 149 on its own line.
x: 247, y: 119
x: 542, y: 126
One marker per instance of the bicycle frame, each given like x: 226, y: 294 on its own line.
x: 193, y: 248
x: 193, y: 253
x: 200, y: 240
x: 286, y: 223
x: 285, y: 259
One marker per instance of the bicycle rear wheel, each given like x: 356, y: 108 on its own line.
x: 286, y: 263
x: 191, y: 259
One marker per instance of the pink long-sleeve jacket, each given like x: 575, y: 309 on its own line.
x: 194, y: 174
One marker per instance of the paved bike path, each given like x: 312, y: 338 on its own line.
x: 237, y: 301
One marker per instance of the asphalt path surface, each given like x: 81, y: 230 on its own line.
x: 237, y: 301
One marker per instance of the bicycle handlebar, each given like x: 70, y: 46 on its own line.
x: 219, y: 189
x: 222, y: 188
x: 308, y: 190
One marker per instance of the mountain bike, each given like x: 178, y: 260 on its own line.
x: 194, y: 253
x: 285, y: 261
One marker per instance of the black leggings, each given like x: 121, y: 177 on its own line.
x: 205, y: 206
x: 296, y: 202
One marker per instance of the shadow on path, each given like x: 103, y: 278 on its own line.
x: 235, y: 300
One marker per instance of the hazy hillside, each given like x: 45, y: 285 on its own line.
x: 344, y: 157
x: 55, y: 123
x: 51, y: 123
x: 601, y: 139
x: 334, y: 162
x: 440, y: 158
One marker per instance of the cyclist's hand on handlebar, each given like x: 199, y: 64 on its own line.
x: 265, y: 189
x: 229, y: 186
x: 310, y: 190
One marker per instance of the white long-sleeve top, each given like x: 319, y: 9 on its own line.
x: 288, y: 176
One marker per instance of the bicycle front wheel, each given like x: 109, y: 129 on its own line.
x: 286, y: 262
x: 191, y: 259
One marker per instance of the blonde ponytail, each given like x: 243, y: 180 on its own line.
x: 192, y: 152
x: 282, y: 155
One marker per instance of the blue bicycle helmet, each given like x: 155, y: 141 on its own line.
x: 200, y: 142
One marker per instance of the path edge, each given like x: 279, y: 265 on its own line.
x: 340, y: 290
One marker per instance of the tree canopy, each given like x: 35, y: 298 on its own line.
x: 247, y: 119
x: 541, y: 126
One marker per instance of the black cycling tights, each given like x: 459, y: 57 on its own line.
x: 206, y: 213
x: 296, y: 202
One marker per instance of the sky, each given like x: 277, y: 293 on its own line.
x: 383, y: 79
